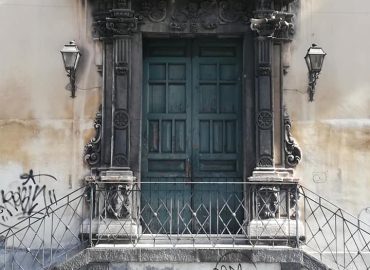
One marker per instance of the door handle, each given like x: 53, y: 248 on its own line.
x: 187, y: 168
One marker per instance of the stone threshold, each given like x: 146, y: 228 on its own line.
x: 288, y: 258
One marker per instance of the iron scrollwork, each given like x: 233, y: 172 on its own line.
x: 293, y: 153
x: 93, y: 148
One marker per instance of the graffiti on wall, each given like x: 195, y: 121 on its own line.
x: 221, y: 265
x: 27, y: 199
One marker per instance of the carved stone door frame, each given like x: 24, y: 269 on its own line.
x: 121, y: 25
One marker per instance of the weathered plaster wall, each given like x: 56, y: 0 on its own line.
x: 334, y: 130
x: 41, y: 127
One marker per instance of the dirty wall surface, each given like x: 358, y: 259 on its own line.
x: 334, y: 130
x: 41, y: 127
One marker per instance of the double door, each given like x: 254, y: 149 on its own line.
x: 192, y: 127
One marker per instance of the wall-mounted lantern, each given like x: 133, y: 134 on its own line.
x: 71, y: 55
x: 314, y: 60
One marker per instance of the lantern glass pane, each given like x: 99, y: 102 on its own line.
x: 69, y: 59
x: 316, y: 62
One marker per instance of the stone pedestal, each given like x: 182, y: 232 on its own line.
x: 272, y: 174
x: 115, y: 203
x: 274, y: 212
x: 279, y: 228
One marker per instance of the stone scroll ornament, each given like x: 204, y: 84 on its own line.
x: 293, y: 153
x: 93, y: 148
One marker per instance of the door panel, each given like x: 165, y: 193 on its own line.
x: 191, y: 134
x: 216, y: 109
x: 167, y: 111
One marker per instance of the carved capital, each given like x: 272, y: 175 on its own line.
x: 114, y: 22
x: 293, y: 153
x: 121, y: 68
x: 270, y: 23
x: 93, y: 148
x: 264, y: 70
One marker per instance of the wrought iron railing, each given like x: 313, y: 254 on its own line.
x: 335, y: 237
x: 47, y: 237
x: 194, y: 214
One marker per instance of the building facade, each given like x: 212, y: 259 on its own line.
x: 192, y: 103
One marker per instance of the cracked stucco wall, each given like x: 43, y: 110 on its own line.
x: 334, y: 130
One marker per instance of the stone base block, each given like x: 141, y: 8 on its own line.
x: 112, y: 227
x: 273, y: 175
x: 275, y: 228
x: 118, y: 228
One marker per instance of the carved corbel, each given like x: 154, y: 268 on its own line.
x: 93, y: 148
x: 293, y: 153
x: 275, y: 24
x: 121, y: 22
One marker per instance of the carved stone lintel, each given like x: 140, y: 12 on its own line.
x: 93, y: 148
x: 293, y: 153
x: 270, y: 23
x: 193, y: 15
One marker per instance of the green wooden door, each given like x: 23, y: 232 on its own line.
x: 191, y: 136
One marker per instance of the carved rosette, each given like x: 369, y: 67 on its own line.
x: 264, y: 119
x: 273, y: 24
x: 293, y: 153
x: 153, y: 10
x: 121, y: 119
x: 93, y: 148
